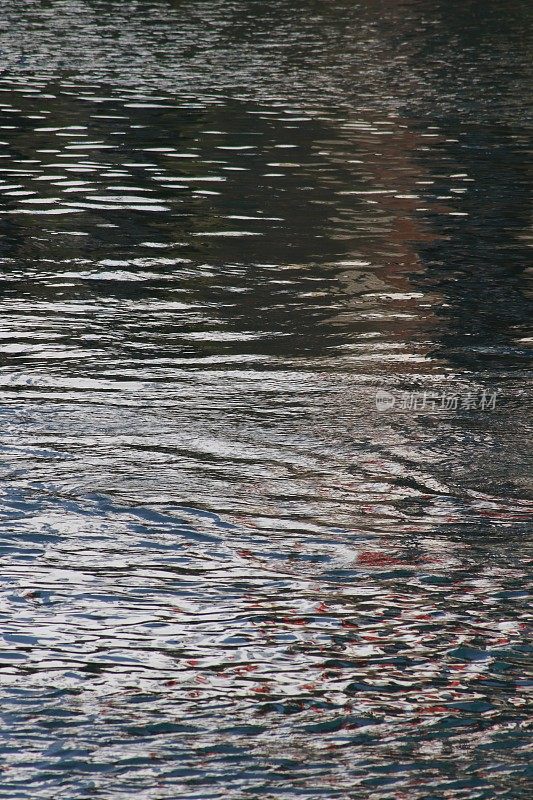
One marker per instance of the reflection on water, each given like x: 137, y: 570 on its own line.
x: 224, y: 227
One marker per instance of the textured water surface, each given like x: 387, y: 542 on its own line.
x: 224, y: 226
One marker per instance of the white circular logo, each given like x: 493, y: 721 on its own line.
x: 384, y: 400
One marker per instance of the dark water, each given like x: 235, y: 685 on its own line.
x: 223, y: 227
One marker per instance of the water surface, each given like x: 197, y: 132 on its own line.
x: 224, y: 226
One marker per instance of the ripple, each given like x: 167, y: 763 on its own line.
x: 226, y: 571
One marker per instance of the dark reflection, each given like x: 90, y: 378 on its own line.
x: 224, y: 226
x: 480, y: 261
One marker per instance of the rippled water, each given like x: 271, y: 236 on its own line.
x: 223, y: 227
